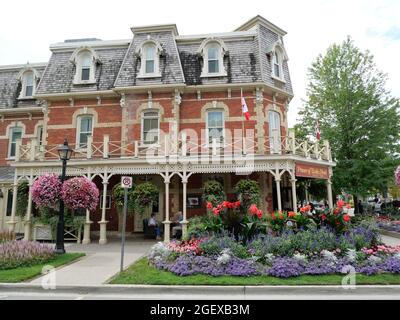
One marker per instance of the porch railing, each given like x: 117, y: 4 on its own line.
x: 183, y: 146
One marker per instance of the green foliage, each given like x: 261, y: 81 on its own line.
x: 346, y: 93
x: 118, y: 196
x: 22, y: 198
x: 144, y: 195
x: 213, y: 192
x: 248, y: 192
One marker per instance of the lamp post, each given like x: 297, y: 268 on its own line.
x: 64, y: 152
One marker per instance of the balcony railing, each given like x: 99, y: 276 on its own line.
x: 185, y: 147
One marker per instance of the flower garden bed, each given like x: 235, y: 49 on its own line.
x: 142, y: 273
x: 229, y: 243
x: 23, y: 260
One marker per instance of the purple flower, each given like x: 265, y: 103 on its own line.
x: 286, y: 268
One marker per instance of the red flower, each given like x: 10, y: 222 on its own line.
x: 291, y: 214
x: 348, y: 206
x: 253, y: 209
x: 341, y: 203
x: 336, y: 212
x: 323, y: 217
x: 216, y: 212
x: 346, y: 218
x: 259, y: 214
x: 237, y: 204
x: 273, y: 216
x: 209, y: 205
x: 225, y: 204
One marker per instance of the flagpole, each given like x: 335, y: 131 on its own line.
x: 241, y: 96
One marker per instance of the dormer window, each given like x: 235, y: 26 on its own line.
x: 86, y: 66
x: 278, y: 56
x: 28, y: 78
x: 150, y: 56
x: 85, y: 60
x: 213, y: 52
x: 277, y: 64
x: 149, y: 53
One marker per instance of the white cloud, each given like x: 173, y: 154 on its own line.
x: 28, y: 27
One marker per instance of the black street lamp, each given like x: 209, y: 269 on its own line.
x: 64, y: 152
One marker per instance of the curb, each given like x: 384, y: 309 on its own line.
x: 239, y: 291
x: 390, y: 233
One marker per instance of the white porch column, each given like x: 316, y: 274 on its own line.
x: 329, y: 191
x: 167, y: 222
x: 12, y: 222
x: 86, y: 229
x: 184, y: 196
x: 103, y: 222
x: 28, y: 224
x: 294, y: 195
x: 278, y: 193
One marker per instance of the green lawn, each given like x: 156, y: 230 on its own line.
x: 141, y: 273
x: 25, y: 273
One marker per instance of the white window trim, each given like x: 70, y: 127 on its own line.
x: 219, y: 144
x: 142, y: 141
x: 76, y: 59
x: 282, y: 56
x: 204, y: 52
x: 22, y: 77
x: 140, y: 52
x: 78, y: 130
x: 9, y: 157
x: 270, y: 135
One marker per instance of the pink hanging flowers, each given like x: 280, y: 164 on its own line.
x: 46, y: 191
x: 80, y: 193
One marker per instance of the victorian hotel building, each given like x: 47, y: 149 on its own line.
x: 160, y: 107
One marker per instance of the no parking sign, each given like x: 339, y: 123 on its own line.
x: 126, y: 182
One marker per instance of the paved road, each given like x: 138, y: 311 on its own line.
x: 99, y: 264
x: 390, y: 240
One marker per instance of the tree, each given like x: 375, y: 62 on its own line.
x: 346, y: 93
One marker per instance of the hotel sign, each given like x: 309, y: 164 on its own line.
x: 311, y: 171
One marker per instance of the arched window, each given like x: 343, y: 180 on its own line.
x: 84, y: 129
x: 213, y: 58
x: 278, y: 56
x: 28, y: 78
x: 149, y: 53
x: 150, y: 127
x: 213, y: 50
x: 85, y: 60
x: 150, y: 57
x: 29, y: 83
x: 86, y: 65
x: 274, y: 120
x: 215, y: 126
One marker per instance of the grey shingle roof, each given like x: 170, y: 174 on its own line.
x: 248, y: 61
x: 60, y: 72
x: 10, y: 87
x: 169, y: 62
x: 6, y: 174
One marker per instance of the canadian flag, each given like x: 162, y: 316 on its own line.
x: 317, y: 132
x: 245, y: 110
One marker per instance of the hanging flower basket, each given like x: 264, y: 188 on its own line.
x: 46, y: 191
x: 80, y: 193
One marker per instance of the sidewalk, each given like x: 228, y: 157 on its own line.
x: 100, y: 263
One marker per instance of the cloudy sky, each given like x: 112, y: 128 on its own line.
x: 28, y: 27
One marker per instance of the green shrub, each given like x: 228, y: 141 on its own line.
x: 248, y: 192
x: 213, y: 192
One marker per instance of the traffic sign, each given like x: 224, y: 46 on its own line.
x: 126, y: 182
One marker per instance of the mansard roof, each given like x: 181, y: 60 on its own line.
x: 60, y: 72
x: 10, y: 84
x: 247, y: 59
